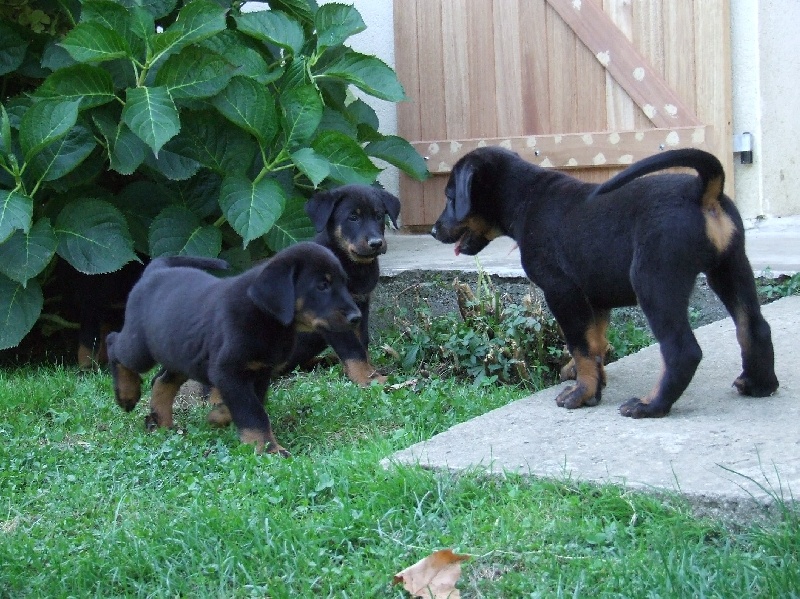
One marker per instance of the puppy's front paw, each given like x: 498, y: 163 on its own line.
x: 636, y: 408
x: 577, y: 396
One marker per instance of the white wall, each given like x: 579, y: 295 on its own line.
x: 765, y: 46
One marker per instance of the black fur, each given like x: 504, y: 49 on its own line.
x: 350, y: 221
x: 229, y: 333
x: 631, y: 240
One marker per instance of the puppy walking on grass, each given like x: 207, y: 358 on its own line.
x: 633, y: 239
x: 229, y: 333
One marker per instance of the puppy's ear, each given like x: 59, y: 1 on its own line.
x: 273, y: 291
x: 391, y: 204
x: 320, y: 207
x: 463, y: 198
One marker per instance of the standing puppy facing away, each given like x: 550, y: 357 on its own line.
x: 230, y: 333
x: 631, y: 240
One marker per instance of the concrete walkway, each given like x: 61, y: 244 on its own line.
x: 718, y: 448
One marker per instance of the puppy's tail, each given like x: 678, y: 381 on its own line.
x: 189, y: 262
x: 708, y: 167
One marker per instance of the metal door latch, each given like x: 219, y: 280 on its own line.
x: 743, y: 145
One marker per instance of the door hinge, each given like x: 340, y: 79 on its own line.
x: 743, y: 145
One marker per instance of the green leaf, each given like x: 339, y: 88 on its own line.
x: 134, y: 25
x: 151, y: 114
x: 140, y: 202
x: 19, y: 309
x: 273, y: 27
x: 363, y: 114
x: 5, y: 135
x: 93, y: 42
x: 16, y: 212
x: 349, y: 162
x: 368, y: 73
x: 89, y: 84
x: 312, y: 165
x: 93, y: 236
x: 297, y: 9
x: 177, y: 231
x: 197, y: 20
x: 171, y: 163
x: 64, y: 155
x: 293, y: 226
x: 12, y: 49
x: 215, y: 144
x: 157, y: 8
x: 125, y: 150
x: 246, y: 103
x: 236, y: 48
x: 25, y: 255
x: 45, y: 122
x: 251, y: 208
x: 398, y: 152
x: 302, y: 112
x: 335, y: 23
x: 194, y: 73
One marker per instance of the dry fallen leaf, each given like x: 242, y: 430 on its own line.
x: 433, y: 577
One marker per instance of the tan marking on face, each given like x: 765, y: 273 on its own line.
x: 719, y: 226
x: 308, y: 322
x: 350, y: 248
x: 480, y: 226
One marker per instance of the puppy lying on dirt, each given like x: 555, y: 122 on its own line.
x: 229, y: 333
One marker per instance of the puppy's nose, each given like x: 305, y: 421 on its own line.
x: 433, y: 231
x: 375, y: 243
x: 353, y: 318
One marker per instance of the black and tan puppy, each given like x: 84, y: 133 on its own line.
x: 229, y: 333
x: 630, y: 240
x: 351, y: 222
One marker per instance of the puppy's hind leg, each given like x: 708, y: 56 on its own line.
x: 165, y: 387
x: 667, y: 314
x: 732, y: 280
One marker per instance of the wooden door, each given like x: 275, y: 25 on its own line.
x: 584, y: 85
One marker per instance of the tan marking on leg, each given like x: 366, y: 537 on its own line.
x: 597, y: 338
x: 261, y: 440
x: 219, y: 415
x: 651, y: 396
x: 362, y: 372
x: 161, y: 400
x: 128, y: 387
x: 586, y: 386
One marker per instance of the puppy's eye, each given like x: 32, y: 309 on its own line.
x: 323, y: 285
x: 354, y: 217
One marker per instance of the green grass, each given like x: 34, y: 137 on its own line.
x: 92, y: 506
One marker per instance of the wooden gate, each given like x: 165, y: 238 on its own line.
x: 585, y: 85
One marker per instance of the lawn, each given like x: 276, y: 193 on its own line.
x: 92, y: 505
